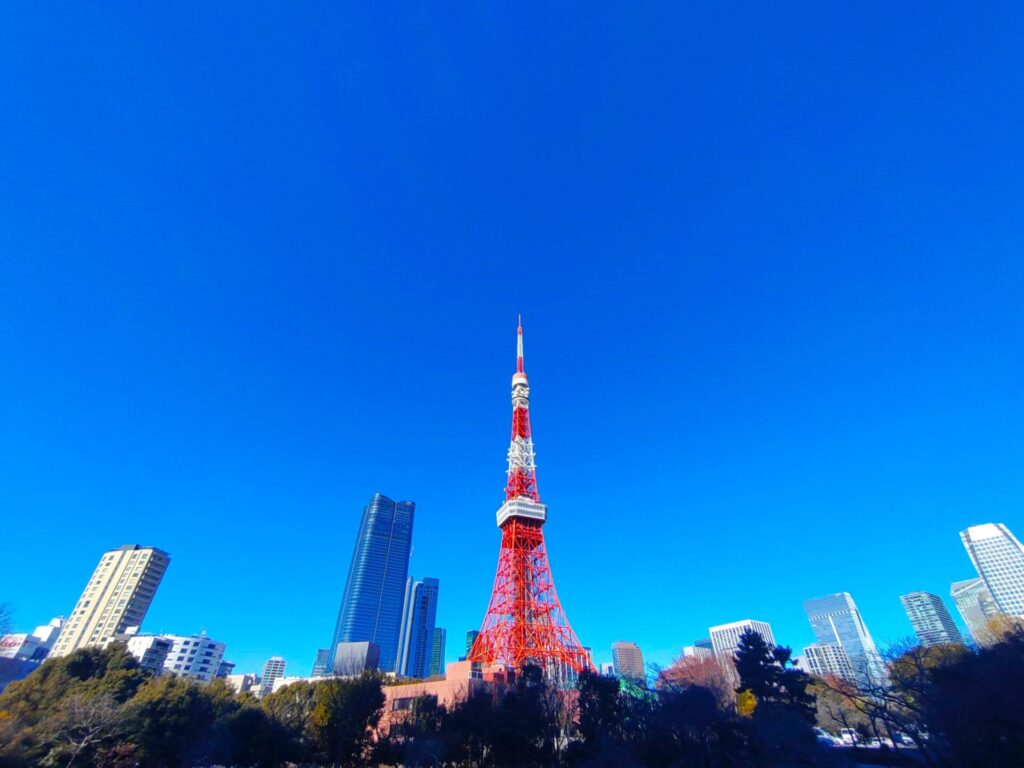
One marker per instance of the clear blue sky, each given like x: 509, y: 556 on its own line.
x: 261, y: 262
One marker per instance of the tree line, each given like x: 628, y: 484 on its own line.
x: 97, y: 707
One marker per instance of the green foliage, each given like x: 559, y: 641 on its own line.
x: 97, y: 708
x: 343, y: 716
x: 764, y: 672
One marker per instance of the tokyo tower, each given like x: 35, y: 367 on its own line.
x: 525, y: 623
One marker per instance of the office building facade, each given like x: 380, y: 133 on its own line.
x: 977, y: 608
x: 725, y: 638
x: 836, y: 620
x: 273, y: 668
x: 371, y: 607
x: 999, y: 559
x: 827, y: 660
x: 322, y: 662
x: 628, y: 661
x: 416, y: 635
x: 437, y: 651
x: 116, y: 598
x: 930, y: 619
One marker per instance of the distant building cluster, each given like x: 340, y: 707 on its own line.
x: 387, y: 620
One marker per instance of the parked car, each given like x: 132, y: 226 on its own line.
x: 824, y: 737
x: 848, y: 736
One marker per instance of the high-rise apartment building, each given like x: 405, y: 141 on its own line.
x: 999, y: 559
x: 273, y: 668
x: 977, y: 607
x: 437, y: 652
x: 825, y: 660
x: 836, y: 620
x: 930, y: 618
x: 725, y: 638
x: 371, y: 607
x: 116, y: 597
x: 628, y: 661
x: 417, y: 631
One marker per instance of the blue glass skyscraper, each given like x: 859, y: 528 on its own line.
x: 417, y: 634
x: 836, y: 620
x: 371, y: 608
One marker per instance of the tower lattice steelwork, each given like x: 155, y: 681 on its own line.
x: 525, y: 623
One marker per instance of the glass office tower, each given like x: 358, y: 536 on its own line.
x: 417, y: 632
x: 836, y: 620
x: 977, y: 608
x: 371, y: 608
x: 999, y: 559
x: 930, y: 619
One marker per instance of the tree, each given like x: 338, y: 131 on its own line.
x: 81, y: 726
x: 973, y: 704
x: 703, y: 671
x: 176, y: 721
x: 344, y: 714
x: 39, y: 709
x: 780, y: 723
x: 764, y: 672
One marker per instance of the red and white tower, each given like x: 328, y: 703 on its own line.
x: 525, y: 623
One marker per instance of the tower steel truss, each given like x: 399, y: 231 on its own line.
x: 525, y: 623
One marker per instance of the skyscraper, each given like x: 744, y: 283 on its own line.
x: 273, y: 668
x: 836, y: 620
x: 437, y: 652
x: 999, y: 559
x: 930, y: 618
x: 977, y: 608
x: 725, y: 638
x: 321, y: 663
x: 416, y: 635
x: 628, y: 661
x: 471, y: 636
x: 824, y: 660
x: 117, y: 597
x: 371, y: 608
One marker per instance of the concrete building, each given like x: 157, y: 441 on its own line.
x: 607, y: 668
x: 416, y: 636
x: 976, y: 607
x: 459, y: 683
x: 225, y: 669
x: 825, y: 660
x: 371, y: 607
x: 930, y: 618
x: 437, y: 651
x: 22, y: 646
x: 999, y: 559
x: 116, y: 597
x: 273, y: 668
x: 355, y: 658
x: 628, y: 661
x: 150, y: 650
x: 47, y: 634
x: 246, y: 683
x: 725, y: 638
x: 196, y: 657
x: 836, y: 620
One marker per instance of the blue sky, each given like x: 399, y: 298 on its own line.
x: 261, y: 262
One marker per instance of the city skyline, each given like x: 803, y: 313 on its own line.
x: 257, y: 268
